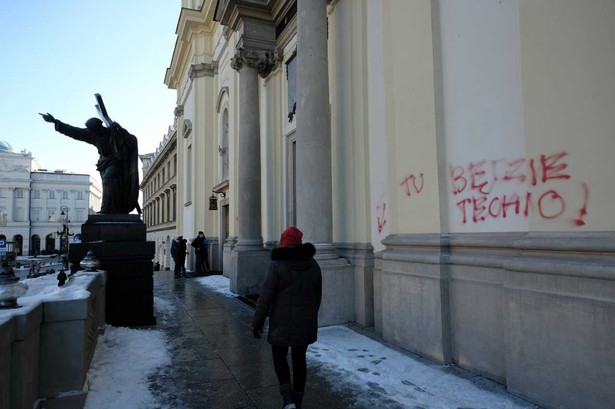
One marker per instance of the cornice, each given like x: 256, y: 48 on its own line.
x: 163, y: 156
x: 190, y: 22
x: 232, y: 12
x: 203, y: 70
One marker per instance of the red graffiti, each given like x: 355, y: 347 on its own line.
x: 483, y: 176
x: 583, y: 212
x: 381, y: 219
x: 411, y: 185
x: 478, y: 179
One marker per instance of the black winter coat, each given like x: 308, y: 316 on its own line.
x: 291, y: 292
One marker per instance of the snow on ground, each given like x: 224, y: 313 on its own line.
x: 217, y: 283
x: 124, y: 358
x: 358, y: 363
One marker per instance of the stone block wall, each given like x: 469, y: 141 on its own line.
x: 533, y: 311
x: 46, y: 345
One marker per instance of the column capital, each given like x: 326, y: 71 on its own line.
x: 263, y: 61
x: 203, y: 70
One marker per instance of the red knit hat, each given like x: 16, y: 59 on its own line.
x: 291, y: 237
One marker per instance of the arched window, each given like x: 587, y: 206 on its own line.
x: 35, y: 246
x: 18, y: 244
x: 224, y: 145
x: 50, y: 244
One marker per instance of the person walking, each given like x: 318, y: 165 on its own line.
x: 201, y: 247
x: 179, y: 256
x: 291, y: 294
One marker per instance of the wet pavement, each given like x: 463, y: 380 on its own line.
x: 217, y: 363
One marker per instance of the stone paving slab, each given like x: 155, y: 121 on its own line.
x: 217, y: 363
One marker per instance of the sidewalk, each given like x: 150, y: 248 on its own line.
x: 213, y: 361
x: 217, y: 363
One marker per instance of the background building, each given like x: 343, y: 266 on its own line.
x: 32, y: 200
x: 159, y: 187
x: 450, y: 161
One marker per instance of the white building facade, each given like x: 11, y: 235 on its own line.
x: 449, y: 160
x: 159, y: 190
x: 32, y: 201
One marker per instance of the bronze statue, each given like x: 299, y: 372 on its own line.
x: 118, y: 161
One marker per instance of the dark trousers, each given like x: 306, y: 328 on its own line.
x: 202, y: 263
x: 280, y: 364
x: 179, y: 266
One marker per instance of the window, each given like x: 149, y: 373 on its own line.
x: 36, y: 194
x: 64, y: 195
x: 19, y: 193
x: 291, y: 181
x: 291, y: 77
x: 223, y: 150
x: 35, y: 214
x: 79, y: 195
x: 52, y: 194
x: 188, y: 174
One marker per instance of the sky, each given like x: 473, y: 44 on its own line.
x: 56, y: 54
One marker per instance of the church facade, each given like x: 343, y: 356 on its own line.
x: 451, y: 163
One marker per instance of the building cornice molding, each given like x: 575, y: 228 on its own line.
x: 232, y: 12
x: 163, y: 157
x: 190, y: 22
x: 203, y: 70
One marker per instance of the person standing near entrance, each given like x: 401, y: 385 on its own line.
x: 291, y: 294
x: 178, y: 252
x: 201, y: 249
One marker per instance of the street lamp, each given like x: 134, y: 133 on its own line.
x: 64, y: 234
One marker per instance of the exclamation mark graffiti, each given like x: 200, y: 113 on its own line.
x: 380, y: 219
x: 583, y: 211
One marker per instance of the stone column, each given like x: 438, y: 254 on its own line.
x: 313, y: 125
x: 249, y: 260
x: 248, y: 152
x: 314, y: 198
x: 11, y: 215
x: 27, y: 206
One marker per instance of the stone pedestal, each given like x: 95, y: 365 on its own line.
x: 337, y: 305
x: 249, y: 270
x: 118, y: 241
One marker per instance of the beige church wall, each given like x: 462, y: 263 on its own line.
x: 376, y: 126
x: 185, y: 148
x: 568, y: 60
x: 205, y: 141
x: 482, y: 115
x: 273, y: 144
x: 226, y: 79
x: 413, y: 180
x: 528, y: 98
x: 348, y: 92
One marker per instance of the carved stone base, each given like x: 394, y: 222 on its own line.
x: 118, y: 241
